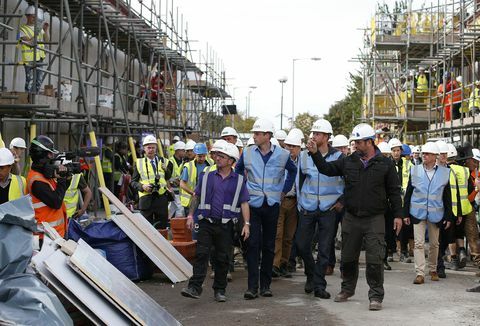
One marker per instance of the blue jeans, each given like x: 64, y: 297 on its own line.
x: 263, y: 230
x: 325, y: 222
x: 29, y: 85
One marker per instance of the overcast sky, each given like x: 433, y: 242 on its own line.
x: 257, y: 41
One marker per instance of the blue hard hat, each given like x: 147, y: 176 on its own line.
x: 200, y: 149
x: 406, y: 150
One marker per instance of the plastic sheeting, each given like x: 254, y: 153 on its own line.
x: 19, y: 212
x: 16, y: 248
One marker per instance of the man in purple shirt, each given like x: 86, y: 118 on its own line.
x: 219, y: 198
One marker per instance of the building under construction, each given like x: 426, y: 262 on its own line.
x: 440, y: 41
x: 97, y: 72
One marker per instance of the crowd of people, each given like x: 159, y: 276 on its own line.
x: 280, y: 200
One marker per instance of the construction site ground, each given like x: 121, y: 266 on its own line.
x: 434, y: 303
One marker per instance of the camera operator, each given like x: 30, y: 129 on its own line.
x: 149, y: 180
x: 46, y: 183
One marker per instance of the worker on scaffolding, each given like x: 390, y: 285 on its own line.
x: 421, y: 81
x: 154, y: 87
x: 474, y: 101
x: 32, y: 41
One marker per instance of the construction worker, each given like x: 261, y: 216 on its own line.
x: 264, y: 164
x: 47, y: 184
x: 17, y: 147
x: 370, y: 183
x: 384, y: 149
x: 171, y: 151
x: 189, y: 154
x: 191, y: 173
x: 175, y: 165
x: 107, y: 162
x: 32, y: 41
x: 239, y: 145
x: 474, y: 101
x: 76, y: 184
x: 422, y: 81
x: 340, y: 142
x: 218, y: 199
x: 149, y: 180
x: 428, y: 203
x: 121, y: 171
x: 288, y: 216
x: 230, y: 135
x: 280, y: 135
x: 11, y: 186
x: 320, y: 198
x: 416, y: 159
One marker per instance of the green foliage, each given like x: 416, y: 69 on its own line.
x: 304, y: 122
x: 343, y: 115
x: 241, y: 122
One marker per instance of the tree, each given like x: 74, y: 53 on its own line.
x: 241, y: 122
x: 304, y: 122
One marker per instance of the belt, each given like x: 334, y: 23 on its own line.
x: 291, y: 197
x: 213, y: 220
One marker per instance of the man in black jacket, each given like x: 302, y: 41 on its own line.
x: 370, y: 184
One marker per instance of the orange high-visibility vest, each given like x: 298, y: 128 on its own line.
x: 57, y: 218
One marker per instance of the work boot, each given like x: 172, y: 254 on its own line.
x: 250, y: 294
x: 276, y: 272
x: 284, y: 272
x: 386, y: 265
x: 342, y: 296
x: 434, y: 276
x: 419, y: 279
x: 190, y: 293
x: 403, y: 257
x: 375, y: 305
x: 266, y: 292
x: 322, y: 294
x: 453, y: 264
x: 220, y: 297
x: 309, y: 285
x: 441, y: 272
x: 462, y: 258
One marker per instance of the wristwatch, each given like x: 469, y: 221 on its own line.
x: 247, y: 223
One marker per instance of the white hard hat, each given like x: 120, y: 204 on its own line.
x: 6, y: 157
x: 459, y: 79
x: 231, y: 150
x: 219, y: 144
x: 394, y: 142
x: 30, y: 10
x: 416, y: 149
x: 18, y: 142
x: 280, y: 134
x: 149, y: 139
x: 330, y: 139
x: 179, y: 145
x: 322, y: 125
x: 176, y: 138
x: 274, y: 141
x: 190, y: 145
x: 239, y: 143
x: 263, y: 125
x: 340, y: 141
x: 442, y: 146
x: 430, y: 147
x: 362, y: 131
x: 296, y: 132
x: 293, y: 139
x: 452, y: 151
x: 250, y: 141
x: 109, y: 140
x: 228, y: 131
x: 384, y: 148
x: 476, y: 154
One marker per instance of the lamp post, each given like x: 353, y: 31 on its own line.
x: 282, y: 81
x: 252, y: 88
x: 293, y: 82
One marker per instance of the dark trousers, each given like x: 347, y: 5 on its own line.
x: 370, y: 231
x: 325, y: 223
x: 390, y: 235
x: 445, y: 237
x: 406, y: 233
x: 332, y: 260
x: 263, y: 229
x: 220, y: 236
x: 157, y: 213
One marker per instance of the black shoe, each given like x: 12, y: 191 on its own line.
x: 291, y: 268
x: 266, y: 293
x: 441, y: 273
x: 220, y: 297
x: 387, y: 266
x: 309, y: 285
x: 250, y: 294
x: 190, y: 293
x: 322, y: 294
x: 284, y: 272
x: 276, y: 272
x: 462, y: 258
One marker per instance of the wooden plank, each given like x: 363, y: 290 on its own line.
x: 149, y: 240
x: 113, y: 284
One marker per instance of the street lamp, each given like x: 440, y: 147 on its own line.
x: 293, y: 82
x: 282, y: 81
x: 252, y: 88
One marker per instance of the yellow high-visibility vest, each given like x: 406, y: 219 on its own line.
x: 191, y: 182
x: 147, y: 175
x: 107, y: 166
x: 72, y: 195
x: 18, y: 187
x: 177, y: 169
x: 422, y: 84
x: 459, y: 176
x: 27, y: 50
x: 474, y: 100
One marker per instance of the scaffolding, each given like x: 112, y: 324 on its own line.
x: 98, y: 70
x: 440, y: 38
